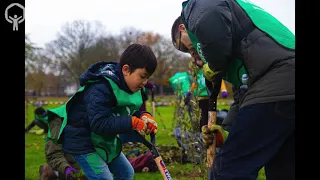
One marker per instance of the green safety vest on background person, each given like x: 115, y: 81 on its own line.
x: 266, y: 23
x: 107, y: 147
x: 201, y: 90
x: 44, y: 119
x: 180, y: 82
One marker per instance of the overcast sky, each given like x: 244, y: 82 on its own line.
x: 44, y: 18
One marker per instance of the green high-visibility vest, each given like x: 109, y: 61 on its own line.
x: 44, y: 119
x: 180, y: 82
x: 201, y: 89
x: 107, y: 147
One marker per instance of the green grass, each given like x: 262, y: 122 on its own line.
x: 34, y: 147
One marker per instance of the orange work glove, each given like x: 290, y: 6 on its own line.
x: 151, y: 123
x: 139, y: 125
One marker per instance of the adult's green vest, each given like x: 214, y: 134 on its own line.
x: 235, y: 70
x: 266, y: 23
x: 201, y: 90
x: 107, y: 147
x: 180, y: 82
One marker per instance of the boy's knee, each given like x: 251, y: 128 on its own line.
x: 129, y: 171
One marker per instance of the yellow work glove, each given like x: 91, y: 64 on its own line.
x: 208, y: 73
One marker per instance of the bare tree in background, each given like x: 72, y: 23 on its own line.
x: 36, y: 64
x: 82, y: 43
x: 30, y: 55
x: 105, y: 49
x: 128, y: 36
x: 169, y: 59
x: 70, y: 48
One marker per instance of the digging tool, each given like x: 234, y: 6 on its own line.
x: 156, y: 155
x: 153, y: 105
x: 213, y: 91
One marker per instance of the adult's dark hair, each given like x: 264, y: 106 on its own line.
x: 175, y: 30
x: 139, y: 56
x: 40, y: 111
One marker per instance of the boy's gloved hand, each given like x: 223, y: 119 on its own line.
x: 208, y: 73
x: 208, y: 135
x: 139, y: 125
x: 71, y: 173
x: 151, y: 123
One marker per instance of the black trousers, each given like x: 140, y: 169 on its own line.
x: 262, y: 135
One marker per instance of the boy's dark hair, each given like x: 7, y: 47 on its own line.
x: 175, y: 30
x: 40, y: 111
x: 139, y: 56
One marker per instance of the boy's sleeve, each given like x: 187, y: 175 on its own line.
x: 53, y: 152
x: 100, y: 101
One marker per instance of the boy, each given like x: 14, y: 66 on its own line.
x: 106, y: 105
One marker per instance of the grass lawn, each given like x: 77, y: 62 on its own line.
x: 34, y: 147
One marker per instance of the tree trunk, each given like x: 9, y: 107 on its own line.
x: 161, y: 90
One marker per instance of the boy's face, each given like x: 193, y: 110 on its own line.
x: 136, y: 80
